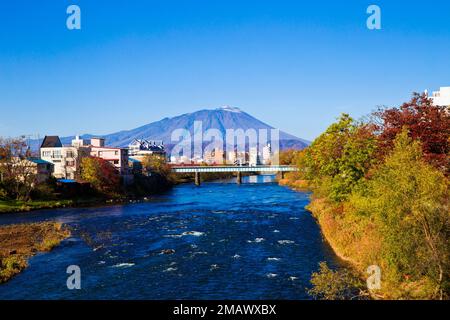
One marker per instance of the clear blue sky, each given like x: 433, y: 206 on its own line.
x: 293, y: 64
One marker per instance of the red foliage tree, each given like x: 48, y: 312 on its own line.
x: 428, y: 123
x: 101, y: 174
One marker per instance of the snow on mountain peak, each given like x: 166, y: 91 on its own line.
x: 230, y: 109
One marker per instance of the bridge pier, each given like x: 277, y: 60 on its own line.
x: 239, y: 177
x: 282, y: 174
x: 197, y: 178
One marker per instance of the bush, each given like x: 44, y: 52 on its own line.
x: 3, y: 194
x: 335, y: 285
x: 11, y: 266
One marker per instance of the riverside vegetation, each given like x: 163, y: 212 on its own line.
x: 380, y: 192
x: 21, y: 241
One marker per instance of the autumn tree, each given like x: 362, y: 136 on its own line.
x: 16, y: 173
x: 426, y: 122
x: 101, y: 174
x: 287, y: 157
x: 156, y: 164
x: 339, y: 158
x: 408, y: 200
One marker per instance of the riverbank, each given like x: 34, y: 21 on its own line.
x: 348, y: 244
x: 18, y: 206
x: 14, y: 206
x: 358, y: 243
x: 19, y: 242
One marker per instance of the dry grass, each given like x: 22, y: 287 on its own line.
x: 21, y: 241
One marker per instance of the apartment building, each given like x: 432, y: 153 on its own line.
x: 66, y: 160
x: 214, y: 157
x: 267, y: 154
x: 441, y: 97
x: 143, y: 147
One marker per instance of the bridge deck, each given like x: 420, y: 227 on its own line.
x: 193, y: 169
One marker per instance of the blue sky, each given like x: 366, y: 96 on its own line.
x: 293, y: 64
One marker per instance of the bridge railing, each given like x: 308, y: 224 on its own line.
x: 262, y: 168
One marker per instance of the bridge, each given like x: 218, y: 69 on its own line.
x: 197, y: 170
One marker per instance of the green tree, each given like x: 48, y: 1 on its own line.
x: 339, y: 158
x: 408, y: 201
x: 335, y: 285
x: 156, y: 164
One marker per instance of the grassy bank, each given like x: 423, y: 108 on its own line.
x: 21, y: 241
x: 10, y: 206
x: 381, y: 200
x: 16, y: 206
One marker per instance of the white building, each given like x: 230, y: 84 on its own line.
x: 66, y: 160
x: 142, y: 147
x: 441, y: 97
x: 253, y: 157
x: 267, y: 154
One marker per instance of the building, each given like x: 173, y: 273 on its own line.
x: 184, y: 160
x: 143, y: 147
x: 30, y: 170
x: 267, y: 154
x: 441, y: 97
x: 41, y: 168
x: 65, y: 159
x: 214, y: 157
x: 135, y: 166
x: 118, y: 157
x: 237, y: 158
x: 253, y: 157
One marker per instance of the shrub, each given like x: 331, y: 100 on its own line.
x: 335, y: 285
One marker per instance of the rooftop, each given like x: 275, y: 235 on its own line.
x: 51, y: 142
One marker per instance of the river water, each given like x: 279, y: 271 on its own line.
x: 217, y: 241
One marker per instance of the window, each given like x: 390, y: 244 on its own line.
x: 116, y: 161
x: 116, y: 153
x: 46, y: 153
x: 70, y: 154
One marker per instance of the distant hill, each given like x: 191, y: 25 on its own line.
x: 220, y: 118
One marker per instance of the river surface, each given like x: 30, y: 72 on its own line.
x: 222, y: 241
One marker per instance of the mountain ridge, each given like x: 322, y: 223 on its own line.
x: 220, y: 118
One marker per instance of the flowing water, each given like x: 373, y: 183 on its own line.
x: 217, y: 241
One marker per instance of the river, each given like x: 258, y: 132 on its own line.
x: 217, y: 241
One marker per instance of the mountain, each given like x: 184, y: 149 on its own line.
x: 221, y: 119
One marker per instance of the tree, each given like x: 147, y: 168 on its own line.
x: 101, y: 174
x: 287, y: 157
x: 428, y: 123
x: 407, y: 198
x: 16, y: 173
x: 156, y: 164
x: 339, y: 158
